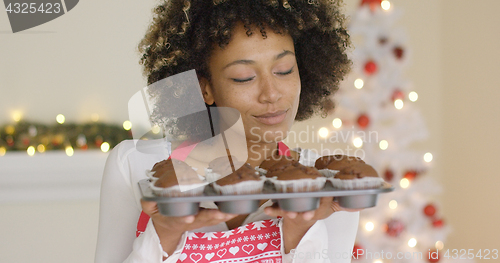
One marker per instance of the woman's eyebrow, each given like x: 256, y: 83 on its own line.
x: 284, y: 53
x: 247, y: 61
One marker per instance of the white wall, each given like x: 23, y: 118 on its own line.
x: 471, y: 121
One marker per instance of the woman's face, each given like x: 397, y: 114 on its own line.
x: 258, y: 77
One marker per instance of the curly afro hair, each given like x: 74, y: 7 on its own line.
x: 183, y: 33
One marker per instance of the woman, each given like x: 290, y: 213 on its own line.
x: 273, y: 61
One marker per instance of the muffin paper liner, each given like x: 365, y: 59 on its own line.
x: 299, y: 185
x: 261, y: 171
x: 150, y: 174
x: 245, y: 187
x: 328, y: 173
x: 357, y: 183
x: 211, y: 176
x: 175, y: 191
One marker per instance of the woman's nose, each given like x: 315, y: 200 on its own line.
x: 269, y: 90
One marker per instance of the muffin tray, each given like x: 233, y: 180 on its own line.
x: 249, y: 203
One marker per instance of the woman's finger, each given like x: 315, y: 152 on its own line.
x: 273, y: 211
x: 308, y: 215
x: 149, y: 207
x: 188, y: 219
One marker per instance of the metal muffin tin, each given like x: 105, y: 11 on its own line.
x: 249, y: 203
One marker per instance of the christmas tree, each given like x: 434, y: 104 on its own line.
x: 376, y: 110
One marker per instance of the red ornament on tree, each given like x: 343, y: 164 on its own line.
x: 98, y: 140
x: 433, y: 256
x: 26, y: 141
x: 397, y: 94
x: 357, y: 251
x: 394, y: 228
x: 429, y: 210
x: 9, y: 140
x: 363, y: 121
x: 398, y: 52
x: 55, y: 142
x: 410, y: 175
x: 437, y: 222
x: 388, y: 175
x: 370, y: 67
x: 374, y: 4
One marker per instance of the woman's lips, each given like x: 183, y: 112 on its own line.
x: 272, y: 118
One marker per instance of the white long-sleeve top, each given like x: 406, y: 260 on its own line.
x: 328, y: 240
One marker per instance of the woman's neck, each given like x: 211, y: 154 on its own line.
x: 258, y: 152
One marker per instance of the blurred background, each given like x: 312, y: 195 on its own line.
x: 84, y: 65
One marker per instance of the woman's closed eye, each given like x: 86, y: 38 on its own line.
x: 286, y: 72
x: 251, y: 78
x: 243, y: 80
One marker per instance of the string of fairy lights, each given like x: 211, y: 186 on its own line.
x: 37, y: 138
x: 357, y: 142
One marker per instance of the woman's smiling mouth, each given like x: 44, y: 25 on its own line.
x: 271, y: 118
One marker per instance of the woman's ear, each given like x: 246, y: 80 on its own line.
x: 206, y: 91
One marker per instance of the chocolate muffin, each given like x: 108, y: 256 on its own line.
x: 357, y: 176
x: 336, y: 162
x: 220, y: 167
x: 172, y: 177
x: 245, y: 180
x: 280, y: 160
x: 295, y: 177
x: 293, y: 171
x: 244, y: 173
x: 360, y: 170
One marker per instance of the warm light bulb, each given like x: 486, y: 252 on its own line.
x: 383, y: 144
x: 386, y: 5
x: 69, y: 151
x: 31, y: 151
x: 393, y: 204
x: 439, y: 245
x: 2, y: 151
x: 369, y: 226
x: 94, y: 117
x: 40, y: 148
x: 398, y: 104
x: 127, y: 125
x: 413, y: 96
x: 156, y: 129
x: 60, y: 118
x: 105, y: 147
x: 359, y: 83
x: 428, y: 157
x: 16, y: 116
x: 323, y: 132
x: 404, y: 183
x: 337, y: 123
x: 378, y: 261
x: 412, y: 242
x: 357, y: 142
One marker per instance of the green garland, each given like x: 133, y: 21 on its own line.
x: 21, y: 135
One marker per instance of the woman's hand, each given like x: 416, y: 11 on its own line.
x: 170, y: 229
x: 296, y: 224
